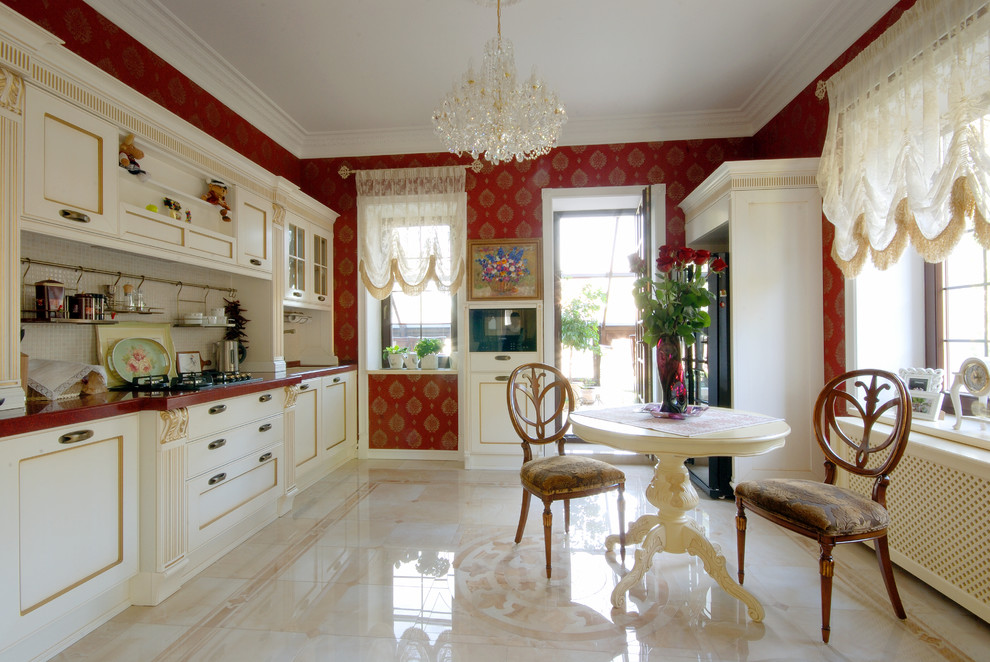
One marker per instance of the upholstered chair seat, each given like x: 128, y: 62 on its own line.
x: 827, y: 509
x: 540, y: 403
x: 567, y: 474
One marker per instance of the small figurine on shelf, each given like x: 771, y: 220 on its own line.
x: 188, y: 216
x: 217, y: 196
x: 129, y: 154
x: 174, y: 208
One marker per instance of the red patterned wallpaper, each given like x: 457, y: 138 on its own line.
x: 100, y: 42
x: 798, y: 131
x: 412, y: 412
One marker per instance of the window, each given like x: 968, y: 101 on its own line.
x: 408, y: 318
x: 961, y: 285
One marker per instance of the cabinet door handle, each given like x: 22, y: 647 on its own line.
x: 503, y: 357
x: 255, y: 261
x: 218, y: 409
x: 303, y: 387
x: 75, y: 437
x: 265, y: 428
x: 297, y: 294
x: 502, y: 378
x: 265, y: 398
x: 265, y: 457
x: 321, y: 298
x: 216, y: 479
x: 219, y: 443
x: 71, y: 215
x: 336, y: 380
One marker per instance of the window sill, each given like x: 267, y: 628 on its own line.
x: 974, y: 433
x: 411, y: 372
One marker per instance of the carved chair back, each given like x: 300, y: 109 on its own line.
x: 540, y: 401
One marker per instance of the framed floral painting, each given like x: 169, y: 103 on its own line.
x: 504, y: 269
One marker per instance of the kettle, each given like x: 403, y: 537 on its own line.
x: 226, y: 354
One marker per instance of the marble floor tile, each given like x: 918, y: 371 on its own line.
x: 415, y: 561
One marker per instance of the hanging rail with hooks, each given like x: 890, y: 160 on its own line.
x: 231, y: 292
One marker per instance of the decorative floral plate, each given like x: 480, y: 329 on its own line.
x: 137, y: 357
x: 690, y: 411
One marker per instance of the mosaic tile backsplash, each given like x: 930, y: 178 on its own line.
x: 77, y: 342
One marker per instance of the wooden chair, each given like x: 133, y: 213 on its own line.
x: 540, y: 403
x: 828, y: 513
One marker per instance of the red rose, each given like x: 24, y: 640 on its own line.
x: 665, y: 264
x: 685, y: 255
x: 666, y: 251
x: 701, y: 256
x: 718, y: 264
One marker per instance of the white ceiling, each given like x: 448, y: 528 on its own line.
x: 330, y: 78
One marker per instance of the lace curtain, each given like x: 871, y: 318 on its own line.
x: 412, y: 221
x: 905, y: 155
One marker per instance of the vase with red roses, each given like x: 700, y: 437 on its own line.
x: 672, y: 309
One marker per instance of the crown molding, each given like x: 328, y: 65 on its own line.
x: 165, y: 35
x: 818, y: 48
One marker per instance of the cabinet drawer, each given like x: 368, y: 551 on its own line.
x: 501, y: 362
x: 227, y: 445
x: 212, y: 417
x: 223, y: 497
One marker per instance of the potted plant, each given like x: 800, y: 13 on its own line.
x: 427, y: 350
x: 395, y: 355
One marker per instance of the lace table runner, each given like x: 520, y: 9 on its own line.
x: 712, y: 420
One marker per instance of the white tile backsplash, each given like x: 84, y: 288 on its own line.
x: 77, y: 342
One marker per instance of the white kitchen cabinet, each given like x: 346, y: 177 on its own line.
x: 70, y: 168
x: 768, y: 216
x: 492, y: 442
x: 253, y: 216
x: 307, y: 437
x: 308, y: 272
x: 187, y: 521
x: 70, y: 529
x: 340, y: 415
x: 153, y: 229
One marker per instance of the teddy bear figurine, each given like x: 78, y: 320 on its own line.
x: 129, y: 154
x: 217, y: 195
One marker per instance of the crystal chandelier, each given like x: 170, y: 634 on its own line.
x: 492, y: 115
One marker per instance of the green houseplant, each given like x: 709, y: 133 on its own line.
x: 394, y: 355
x: 427, y: 350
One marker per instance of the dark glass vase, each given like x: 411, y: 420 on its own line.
x: 670, y: 366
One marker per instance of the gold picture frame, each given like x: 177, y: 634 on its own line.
x: 504, y: 269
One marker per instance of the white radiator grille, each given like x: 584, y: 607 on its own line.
x: 940, y: 527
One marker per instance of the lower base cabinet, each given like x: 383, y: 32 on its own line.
x: 324, y: 425
x: 70, y: 531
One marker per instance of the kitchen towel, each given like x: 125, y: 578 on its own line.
x: 53, y: 380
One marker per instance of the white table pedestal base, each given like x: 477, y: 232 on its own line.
x: 671, y: 531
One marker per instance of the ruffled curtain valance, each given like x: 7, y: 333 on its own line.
x: 412, y: 223
x: 905, y: 157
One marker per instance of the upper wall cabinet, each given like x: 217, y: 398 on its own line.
x: 308, y: 252
x: 70, y: 174
x: 254, y: 230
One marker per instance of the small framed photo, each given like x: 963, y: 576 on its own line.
x: 922, y: 379
x: 188, y: 362
x: 504, y: 269
x: 926, y: 405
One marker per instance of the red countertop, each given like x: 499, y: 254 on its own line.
x: 44, y: 414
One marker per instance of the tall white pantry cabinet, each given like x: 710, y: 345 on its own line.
x: 768, y: 216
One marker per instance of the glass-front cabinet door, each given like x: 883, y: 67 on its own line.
x: 296, y: 277
x: 321, y: 267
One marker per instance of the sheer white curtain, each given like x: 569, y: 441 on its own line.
x: 412, y: 222
x: 905, y: 156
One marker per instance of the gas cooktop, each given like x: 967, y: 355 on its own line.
x: 187, y: 382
